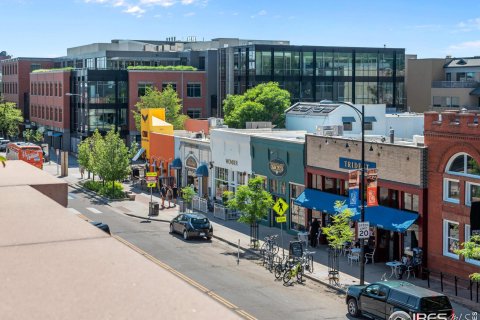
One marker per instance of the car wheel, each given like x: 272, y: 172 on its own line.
x: 209, y: 238
x: 185, y: 235
x: 353, y: 307
x: 171, y: 228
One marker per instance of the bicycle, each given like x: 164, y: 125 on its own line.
x: 294, y: 271
x: 307, y: 259
x: 270, y: 244
x: 280, y: 266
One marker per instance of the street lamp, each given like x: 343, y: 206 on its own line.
x: 361, y: 115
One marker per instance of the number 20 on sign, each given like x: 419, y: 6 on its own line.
x: 363, y: 230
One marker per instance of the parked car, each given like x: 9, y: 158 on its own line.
x: 102, y: 226
x: 192, y: 225
x: 382, y: 299
x: 3, y: 144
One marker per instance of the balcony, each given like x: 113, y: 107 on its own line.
x: 455, y: 84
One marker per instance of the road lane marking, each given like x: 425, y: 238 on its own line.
x: 74, y: 211
x: 190, y: 281
x: 93, y: 210
x: 71, y: 196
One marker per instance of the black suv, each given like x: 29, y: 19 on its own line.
x: 401, y: 299
x: 192, y: 225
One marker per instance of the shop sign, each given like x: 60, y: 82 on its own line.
x: 354, y: 164
x: 191, y: 162
x: 231, y: 162
x: 371, y: 177
x: 277, y: 167
x: 353, y: 188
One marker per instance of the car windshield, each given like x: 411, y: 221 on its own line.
x: 435, y: 303
x: 198, y: 221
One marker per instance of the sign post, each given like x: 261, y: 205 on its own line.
x: 280, y: 207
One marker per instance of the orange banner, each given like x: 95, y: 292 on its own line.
x: 371, y: 176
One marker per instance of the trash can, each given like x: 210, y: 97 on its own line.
x: 181, y: 206
x: 153, y: 209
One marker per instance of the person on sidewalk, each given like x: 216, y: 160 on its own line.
x: 82, y: 171
x: 314, y: 228
x: 169, y: 195
x: 163, y: 192
x: 175, y: 194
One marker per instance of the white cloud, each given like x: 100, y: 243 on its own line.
x: 139, y: 7
x: 469, y: 25
x: 135, y: 10
x: 262, y: 12
x: 466, y: 45
x: 189, y: 14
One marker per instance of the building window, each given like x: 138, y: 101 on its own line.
x: 410, y: 202
x: 475, y: 261
x: 347, y: 126
x: 472, y: 193
x: 194, y: 113
x: 172, y: 84
x: 451, y: 240
x: 194, y: 90
x: 273, y: 185
x: 142, y: 88
x: 463, y: 164
x: 451, y: 190
x: 368, y: 126
x: 56, y: 115
x: 221, y: 182
x: 60, y: 115
x: 297, y: 218
x: 60, y: 92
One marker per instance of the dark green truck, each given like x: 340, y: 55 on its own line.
x: 397, y: 299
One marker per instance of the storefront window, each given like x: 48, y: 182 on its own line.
x: 451, y: 240
x: 297, y: 219
x: 316, y: 182
x: 410, y: 202
x: 467, y: 238
x: 330, y: 185
x: 388, y: 197
x: 273, y: 184
x: 221, y: 182
x: 473, y: 193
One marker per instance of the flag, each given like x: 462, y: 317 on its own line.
x: 353, y: 185
x: 372, y: 187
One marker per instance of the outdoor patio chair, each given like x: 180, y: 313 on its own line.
x: 370, y: 255
x: 353, y: 257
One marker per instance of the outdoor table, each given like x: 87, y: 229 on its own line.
x: 394, y: 265
x: 355, y: 250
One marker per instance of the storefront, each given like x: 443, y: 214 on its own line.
x: 397, y: 222
x: 280, y: 160
x: 231, y: 160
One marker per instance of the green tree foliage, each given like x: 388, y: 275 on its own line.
x: 187, y: 194
x: 114, y: 159
x: 471, y: 250
x: 32, y: 135
x: 252, y: 201
x: 163, y: 68
x: 168, y: 99
x: 265, y: 102
x: 339, y: 232
x: 10, y: 118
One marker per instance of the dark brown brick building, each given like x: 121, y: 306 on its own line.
x: 453, y: 140
x: 16, y: 79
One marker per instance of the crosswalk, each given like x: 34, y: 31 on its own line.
x: 74, y: 211
x: 93, y: 210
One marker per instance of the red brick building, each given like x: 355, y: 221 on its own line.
x: 453, y: 140
x: 16, y: 79
x: 191, y: 87
x: 50, y: 107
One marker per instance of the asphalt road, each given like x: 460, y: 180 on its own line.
x: 213, y: 264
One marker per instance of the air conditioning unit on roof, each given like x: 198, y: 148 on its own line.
x: 335, y: 130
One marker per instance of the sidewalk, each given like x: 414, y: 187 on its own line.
x: 232, y: 232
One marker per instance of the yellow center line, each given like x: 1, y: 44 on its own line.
x: 190, y: 281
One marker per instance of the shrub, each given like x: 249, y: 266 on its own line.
x: 113, y: 193
x: 163, y: 68
x: 93, y: 185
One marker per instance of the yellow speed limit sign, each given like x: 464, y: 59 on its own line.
x: 281, y: 219
x: 280, y: 207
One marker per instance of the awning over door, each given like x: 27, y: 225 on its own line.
x: 176, y: 164
x: 139, y: 153
x: 202, y: 171
x: 318, y: 200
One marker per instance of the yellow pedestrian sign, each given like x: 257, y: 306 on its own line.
x: 151, y: 179
x: 280, y: 207
x: 281, y: 219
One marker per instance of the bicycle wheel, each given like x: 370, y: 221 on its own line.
x: 310, y: 264
x: 287, y: 276
x: 278, y: 271
x: 300, y: 274
x: 275, y: 247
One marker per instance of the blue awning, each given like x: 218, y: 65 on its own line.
x: 139, y: 153
x: 388, y: 218
x: 318, y: 200
x: 370, y: 119
x: 348, y: 119
x: 176, y: 164
x: 202, y: 171
x: 379, y: 216
x: 57, y: 134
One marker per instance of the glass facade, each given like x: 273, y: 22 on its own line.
x: 357, y: 75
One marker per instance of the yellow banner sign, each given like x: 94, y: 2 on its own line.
x: 281, y: 219
x: 151, y: 184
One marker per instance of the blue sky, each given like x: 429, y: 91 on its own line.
x: 45, y: 28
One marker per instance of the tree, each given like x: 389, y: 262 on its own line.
x: 10, y: 118
x: 114, y: 159
x: 187, y: 194
x: 32, y: 135
x: 471, y: 250
x: 252, y: 201
x: 265, y: 102
x: 168, y: 99
x: 339, y: 232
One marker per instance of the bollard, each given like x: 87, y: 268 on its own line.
x: 441, y: 281
x: 471, y: 290
x: 456, y: 289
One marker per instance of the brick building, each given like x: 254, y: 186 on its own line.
x: 16, y: 80
x: 190, y: 87
x: 453, y: 140
x: 50, y: 107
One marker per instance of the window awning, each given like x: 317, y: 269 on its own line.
x: 379, y: 216
x: 176, y: 164
x: 202, y: 171
x: 370, y: 119
x: 318, y: 200
x: 388, y: 218
x: 139, y: 153
x: 348, y: 119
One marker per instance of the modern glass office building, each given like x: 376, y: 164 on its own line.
x: 312, y: 73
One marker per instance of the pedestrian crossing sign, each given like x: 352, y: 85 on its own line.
x: 280, y: 207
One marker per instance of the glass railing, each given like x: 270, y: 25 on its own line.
x: 455, y: 84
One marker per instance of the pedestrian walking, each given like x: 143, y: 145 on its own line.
x: 175, y: 194
x: 82, y: 171
x: 169, y: 195
x: 314, y: 228
x: 163, y: 192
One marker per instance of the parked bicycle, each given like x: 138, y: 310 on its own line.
x: 294, y: 270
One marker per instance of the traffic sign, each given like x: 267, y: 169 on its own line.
x: 151, y: 184
x: 151, y: 174
x: 280, y: 207
x: 364, y: 230
x: 281, y: 219
x: 151, y: 179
